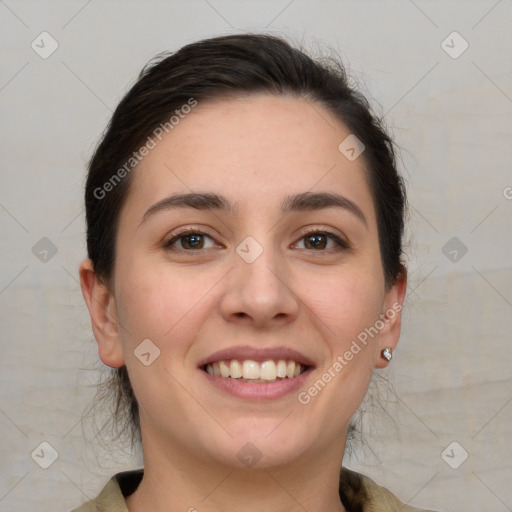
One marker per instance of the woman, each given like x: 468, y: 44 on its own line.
x: 244, y: 279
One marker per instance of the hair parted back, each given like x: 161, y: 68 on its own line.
x: 223, y: 67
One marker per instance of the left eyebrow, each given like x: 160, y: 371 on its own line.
x: 292, y: 203
x: 319, y: 201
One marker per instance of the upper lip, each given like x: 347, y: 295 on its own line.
x: 242, y: 353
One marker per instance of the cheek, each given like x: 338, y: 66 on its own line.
x: 348, y: 303
x: 160, y: 308
x: 162, y: 305
x: 351, y: 296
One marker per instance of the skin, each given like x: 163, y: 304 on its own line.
x: 254, y: 150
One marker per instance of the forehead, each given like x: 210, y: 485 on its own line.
x: 253, y: 147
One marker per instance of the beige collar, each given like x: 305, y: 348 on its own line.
x: 358, y: 493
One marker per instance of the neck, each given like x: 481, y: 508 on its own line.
x: 177, y: 480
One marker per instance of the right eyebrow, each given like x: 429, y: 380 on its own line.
x: 198, y: 201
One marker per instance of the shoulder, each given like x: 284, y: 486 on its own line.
x: 111, y: 497
x: 360, y: 493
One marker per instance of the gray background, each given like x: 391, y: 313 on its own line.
x: 451, y: 116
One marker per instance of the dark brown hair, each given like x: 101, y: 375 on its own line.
x: 219, y: 68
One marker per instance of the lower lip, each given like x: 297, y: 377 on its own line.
x: 258, y: 391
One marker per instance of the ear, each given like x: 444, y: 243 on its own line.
x: 102, y: 310
x: 392, y: 318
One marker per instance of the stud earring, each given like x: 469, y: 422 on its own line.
x: 387, y: 353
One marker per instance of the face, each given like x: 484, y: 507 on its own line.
x: 260, y: 272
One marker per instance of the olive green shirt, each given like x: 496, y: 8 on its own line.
x: 358, y: 493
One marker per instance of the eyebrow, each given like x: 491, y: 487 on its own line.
x: 319, y: 201
x: 306, y: 201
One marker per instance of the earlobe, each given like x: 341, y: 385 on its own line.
x: 392, y: 320
x: 102, y: 310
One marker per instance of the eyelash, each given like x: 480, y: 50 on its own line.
x: 341, y: 244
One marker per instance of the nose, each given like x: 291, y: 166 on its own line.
x: 259, y: 293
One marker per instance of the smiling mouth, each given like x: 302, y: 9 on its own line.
x: 255, y: 372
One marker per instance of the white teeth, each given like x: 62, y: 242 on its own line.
x: 290, y: 369
x: 235, y: 369
x: 252, y: 370
x: 268, y: 370
x: 281, y: 369
x: 224, y: 369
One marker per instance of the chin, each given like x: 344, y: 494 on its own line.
x: 264, y: 447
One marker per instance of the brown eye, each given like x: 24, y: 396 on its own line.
x: 192, y: 241
x: 316, y: 241
x: 319, y: 240
x: 189, y: 241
